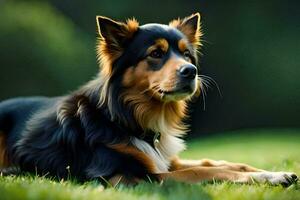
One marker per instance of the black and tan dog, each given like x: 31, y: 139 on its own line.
x: 125, y: 125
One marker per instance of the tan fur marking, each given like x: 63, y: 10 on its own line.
x: 128, y: 77
x: 135, y: 153
x: 3, y: 154
x: 132, y: 26
x: 182, y: 45
x: 159, y: 44
x: 163, y: 44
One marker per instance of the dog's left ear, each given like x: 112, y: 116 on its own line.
x: 190, y: 26
x: 114, y: 35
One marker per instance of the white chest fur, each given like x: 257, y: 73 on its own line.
x: 161, y: 155
x: 171, y: 130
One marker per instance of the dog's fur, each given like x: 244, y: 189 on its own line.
x: 127, y: 123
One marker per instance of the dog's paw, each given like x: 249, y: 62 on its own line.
x: 275, y: 178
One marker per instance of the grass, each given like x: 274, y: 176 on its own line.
x: 268, y: 149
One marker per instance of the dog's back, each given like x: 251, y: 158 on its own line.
x: 14, y: 113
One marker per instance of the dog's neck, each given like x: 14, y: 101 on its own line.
x: 149, y: 113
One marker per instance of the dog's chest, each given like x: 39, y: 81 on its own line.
x: 162, y: 151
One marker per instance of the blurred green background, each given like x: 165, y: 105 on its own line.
x: 251, y: 48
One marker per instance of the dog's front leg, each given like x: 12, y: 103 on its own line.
x: 178, y: 164
x: 198, y: 174
x: 195, y: 171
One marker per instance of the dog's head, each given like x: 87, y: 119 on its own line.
x: 149, y: 63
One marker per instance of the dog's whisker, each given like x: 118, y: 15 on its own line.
x: 205, y: 82
x: 211, y: 80
x: 204, y: 95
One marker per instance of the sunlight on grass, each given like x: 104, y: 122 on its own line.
x: 268, y: 149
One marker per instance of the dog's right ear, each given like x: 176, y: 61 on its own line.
x: 114, y: 34
x: 191, y: 27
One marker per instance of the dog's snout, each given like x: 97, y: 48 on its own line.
x: 187, y: 71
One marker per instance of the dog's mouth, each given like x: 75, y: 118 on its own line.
x: 177, y: 93
x: 185, y: 89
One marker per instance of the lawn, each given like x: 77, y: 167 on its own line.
x: 268, y: 149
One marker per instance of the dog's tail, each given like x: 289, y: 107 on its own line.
x: 4, y: 128
x: 4, y: 116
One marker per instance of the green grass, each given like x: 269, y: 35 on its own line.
x: 268, y: 149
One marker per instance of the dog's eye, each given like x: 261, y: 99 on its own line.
x: 157, y: 53
x: 187, y: 54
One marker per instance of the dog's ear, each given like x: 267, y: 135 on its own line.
x: 190, y: 26
x: 114, y: 35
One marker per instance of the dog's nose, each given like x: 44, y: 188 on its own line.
x: 187, y: 71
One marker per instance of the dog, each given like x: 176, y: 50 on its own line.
x: 126, y: 125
